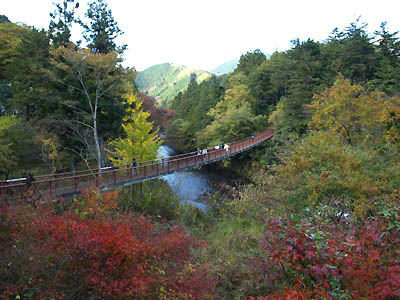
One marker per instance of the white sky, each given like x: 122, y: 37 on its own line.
x: 207, y: 33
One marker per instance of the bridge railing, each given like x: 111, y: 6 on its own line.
x: 53, y: 185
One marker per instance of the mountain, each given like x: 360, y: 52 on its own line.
x: 227, y: 67
x: 164, y: 81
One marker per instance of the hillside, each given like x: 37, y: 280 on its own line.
x: 160, y: 116
x: 227, y: 67
x: 164, y: 81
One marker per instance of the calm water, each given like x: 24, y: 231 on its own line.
x: 187, y: 185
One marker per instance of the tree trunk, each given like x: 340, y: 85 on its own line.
x: 72, y: 164
x: 96, y: 139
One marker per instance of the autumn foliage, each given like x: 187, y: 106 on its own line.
x: 48, y: 255
x: 310, y: 260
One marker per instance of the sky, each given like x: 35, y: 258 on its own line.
x: 205, y: 34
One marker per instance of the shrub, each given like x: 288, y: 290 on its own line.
x: 341, y: 261
x: 70, y: 256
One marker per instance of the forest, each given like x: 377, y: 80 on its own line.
x: 317, y: 216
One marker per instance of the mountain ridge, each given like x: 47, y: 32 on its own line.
x: 227, y: 67
x: 165, y: 81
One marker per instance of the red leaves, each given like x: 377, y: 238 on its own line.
x: 360, y: 261
x: 122, y: 257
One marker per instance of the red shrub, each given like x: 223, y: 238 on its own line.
x: 324, y: 262
x: 69, y: 257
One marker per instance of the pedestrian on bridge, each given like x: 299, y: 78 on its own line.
x: 204, y: 153
x: 134, y: 166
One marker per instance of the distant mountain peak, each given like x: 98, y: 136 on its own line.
x: 227, y: 67
x: 164, y: 81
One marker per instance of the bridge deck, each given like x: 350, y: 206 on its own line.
x: 67, y: 185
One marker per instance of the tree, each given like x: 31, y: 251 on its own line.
x: 4, y: 96
x: 387, y: 76
x: 19, y: 148
x: 102, y: 29
x: 358, y: 56
x: 91, y: 86
x: 61, y: 21
x: 10, y: 38
x: 25, y: 73
x: 233, y: 116
x: 304, y: 78
x: 249, y: 61
x: 141, y: 142
x: 348, y: 112
x: 7, y: 159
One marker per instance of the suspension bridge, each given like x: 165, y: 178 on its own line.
x: 70, y: 184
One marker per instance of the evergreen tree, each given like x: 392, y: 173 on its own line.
x: 249, y: 61
x: 102, y: 29
x: 358, y: 56
x: 304, y: 81
x: 387, y: 76
x: 26, y: 75
x: 61, y: 21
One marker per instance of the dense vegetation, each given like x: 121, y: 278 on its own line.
x: 320, y: 219
x: 63, y: 105
x: 285, y: 83
x: 164, y: 81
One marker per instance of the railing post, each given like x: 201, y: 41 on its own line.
x: 145, y: 172
x: 51, y: 190
x: 97, y: 179
x: 115, y: 176
x: 76, y: 183
x: 168, y: 166
x: 157, y: 170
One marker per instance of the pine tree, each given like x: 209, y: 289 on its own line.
x: 61, y: 22
x: 141, y: 142
x: 102, y: 30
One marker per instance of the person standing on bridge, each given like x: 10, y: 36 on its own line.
x: 134, y: 166
x: 204, y: 152
x: 226, y: 147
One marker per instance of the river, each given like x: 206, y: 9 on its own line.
x: 187, y: 185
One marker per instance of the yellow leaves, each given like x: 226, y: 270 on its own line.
x: 277, y: 115
x: 10, y: 38
x: 348, y: 111
x: 322, y: 170
x: 390, y: 119
x: 140, y: 142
